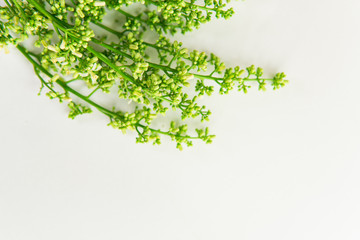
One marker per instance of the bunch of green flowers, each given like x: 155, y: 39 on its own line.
x: 73, y: 44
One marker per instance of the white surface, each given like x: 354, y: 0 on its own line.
x: 285, y: 165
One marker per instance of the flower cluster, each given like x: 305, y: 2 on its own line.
x: 171, y: 16
x: 76, y: 46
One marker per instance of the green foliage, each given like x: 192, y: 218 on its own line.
x: 77, y: 109
x: 74, y: 44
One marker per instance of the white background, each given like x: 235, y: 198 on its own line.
x: 285, y: 164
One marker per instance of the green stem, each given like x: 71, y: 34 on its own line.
x: 92, y: 93
x: 32, y: 61
x: 86, y: 99
x: 43, y: 82
x: 19, y: 8
x: 168, y: 133
x: 126, y: 14
x: 116, y: 33
x: 73, y: 80
x: 107, y: 61
x: 10, y: 7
